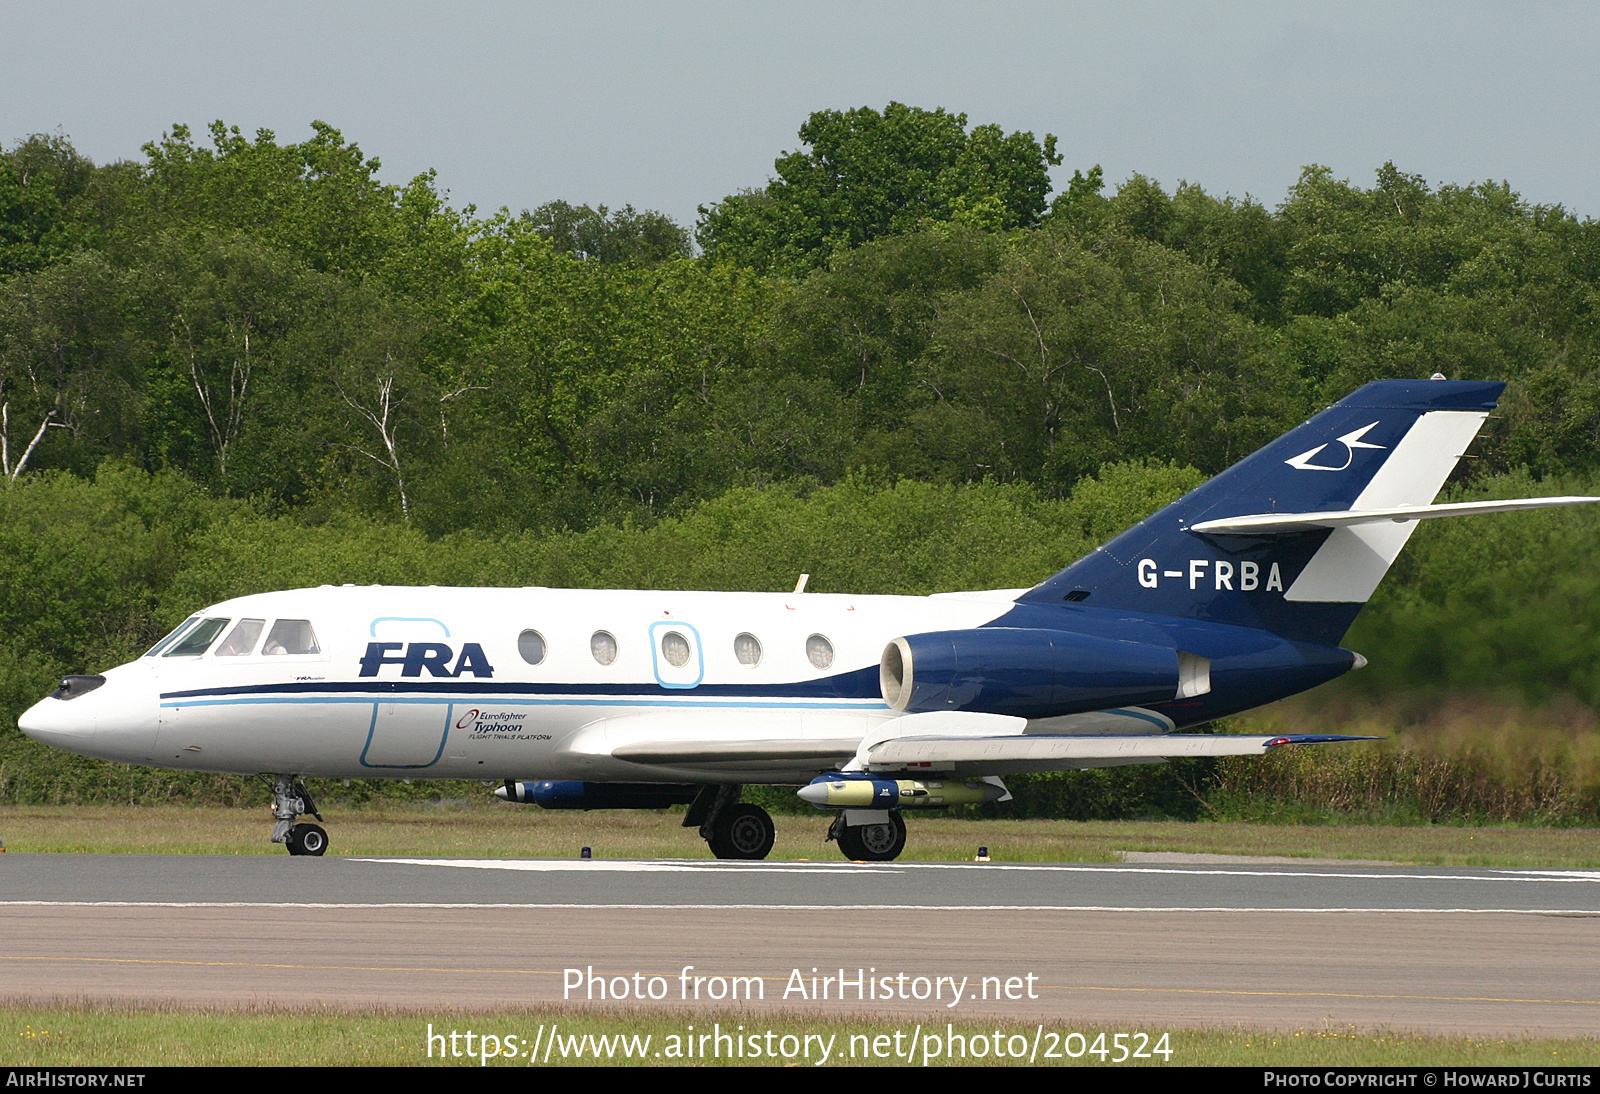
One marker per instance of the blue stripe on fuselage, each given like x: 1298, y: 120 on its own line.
x: 859, y: 684
x: 664, y: 703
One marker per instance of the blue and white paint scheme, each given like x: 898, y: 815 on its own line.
x: 1234, y: 596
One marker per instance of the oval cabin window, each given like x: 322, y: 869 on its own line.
x: 747, y: 648
x: 819, y: 651
x: 675, y: 648
x: 604, y: 647
x: 530, y: 644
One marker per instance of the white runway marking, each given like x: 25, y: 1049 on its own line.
x: 624, y: 866
x: 681, y: 866
x: 1567, y: 913
x: 1567, y: 875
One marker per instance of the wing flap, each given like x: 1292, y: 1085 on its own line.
x: 1068, y: 750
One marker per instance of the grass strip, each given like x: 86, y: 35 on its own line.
x: 461, y: 830
x: 43, y: 1034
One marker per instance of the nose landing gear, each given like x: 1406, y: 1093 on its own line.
x: 290, y: 799
x: 307, y: 839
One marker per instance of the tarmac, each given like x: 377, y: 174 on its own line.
x: 1153, y: 945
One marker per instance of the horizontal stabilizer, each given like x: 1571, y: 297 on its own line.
x: 1037, y: 751
x: 1270, y: 524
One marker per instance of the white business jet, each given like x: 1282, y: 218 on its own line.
x: 1231, y: 597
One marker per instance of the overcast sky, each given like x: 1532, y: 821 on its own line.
x: 671, y: 105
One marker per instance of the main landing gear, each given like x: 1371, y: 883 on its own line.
x: 290, y: 799
x: 877, y: 842
x: 739, y: 830
x: 733, y: 829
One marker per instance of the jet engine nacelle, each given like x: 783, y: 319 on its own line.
x: 1030, y: 673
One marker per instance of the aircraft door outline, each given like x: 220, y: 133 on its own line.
x: 668, y: 675
x: 407, y: 732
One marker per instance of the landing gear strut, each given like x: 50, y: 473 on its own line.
x: 290, y: 799
x: 880, y: 842
x: 734, y: 829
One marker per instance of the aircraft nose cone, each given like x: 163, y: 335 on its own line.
x: 50, y: 721
x: 109, y: 717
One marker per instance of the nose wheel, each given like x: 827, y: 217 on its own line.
x: 290, y: 799
x: 307, y: 839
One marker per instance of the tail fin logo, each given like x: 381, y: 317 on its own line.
x: 1351, y: 442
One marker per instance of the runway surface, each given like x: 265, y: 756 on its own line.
x: 1146, y: 945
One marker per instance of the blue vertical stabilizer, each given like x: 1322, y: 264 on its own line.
x: 1391, y: 444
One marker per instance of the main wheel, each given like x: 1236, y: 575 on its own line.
x: 307, y: 839
x: 874, y: 842
x: 742, y: 831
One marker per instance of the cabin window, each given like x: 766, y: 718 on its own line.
x: 603, y: 646
x: 172, y: 634
x: 242, y: 639
x: 196, y: 641
x: 291, y: 636
x: 819, y: 651
x: 530, y: 644
x: 747, y: 648
x: 675, y: 648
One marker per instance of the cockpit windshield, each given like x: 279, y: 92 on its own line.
x: 197, y: 640
x: 172, y: 634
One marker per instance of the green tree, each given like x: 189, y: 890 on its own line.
x: 320, y: 200
x: 217, y: 314
x: 606, y: 236
x: 47, y: 195
x: 1075, y: 354
x: 605, y: 382
x: 868, y: 174
x: 1238, y: 238
x: 70, y: 378
x: 30, y: 220
x: 1081, y: 204
x: 863, y: 323
x: 384, y: 414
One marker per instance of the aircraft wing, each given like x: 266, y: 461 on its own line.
x: 724, y: 740
x: 1039, y: 752
x: 1269, y: 524
x: 960, y: 743
x: 964, y: 745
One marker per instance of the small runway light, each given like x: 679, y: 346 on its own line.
x: 585, y: 853
x: 983, y: 855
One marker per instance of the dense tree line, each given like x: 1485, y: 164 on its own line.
x: 277, y: 324
x: 900, y: 346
